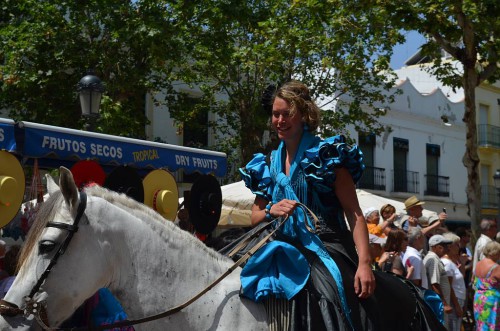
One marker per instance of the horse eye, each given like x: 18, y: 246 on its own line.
x: 46, y: 246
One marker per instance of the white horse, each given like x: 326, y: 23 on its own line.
x: 149, y: 264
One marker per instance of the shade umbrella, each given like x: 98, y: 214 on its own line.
x: 237, y: 201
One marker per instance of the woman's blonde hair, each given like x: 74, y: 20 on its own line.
x: 298, y: 96
x: 451, y: 236
x: 492, y: 249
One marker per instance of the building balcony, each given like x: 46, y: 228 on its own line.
x: 489, y: 197
x: 373, y: 179
x: 488, y: 135
x: 405, y: 181
x: 437, y: 185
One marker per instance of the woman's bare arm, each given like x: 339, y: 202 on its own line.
x: 364, y: 281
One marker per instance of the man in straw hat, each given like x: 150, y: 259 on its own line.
x: 414, y: 209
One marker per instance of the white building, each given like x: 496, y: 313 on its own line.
x: 165, y: 129
x: 422, y: 152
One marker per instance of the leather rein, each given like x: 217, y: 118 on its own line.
x: 38, y: 309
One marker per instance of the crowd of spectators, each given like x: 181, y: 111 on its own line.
x: 8, y: 266
x: 427, y: 253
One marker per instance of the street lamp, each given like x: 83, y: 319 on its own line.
x: 445, y: 120
x: 496, y: 180
x: 90, y: 89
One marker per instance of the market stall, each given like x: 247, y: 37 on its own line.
x: 97, y: 157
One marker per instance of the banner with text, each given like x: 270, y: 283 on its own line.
x: 7, y: 138
x: 43, y: 141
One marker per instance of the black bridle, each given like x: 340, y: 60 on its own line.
x: 72, y: 229
x: 10, y: 309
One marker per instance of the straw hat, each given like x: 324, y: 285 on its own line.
x: 412, y: 202
x: 161, y: 193
x: 126, y: 180
x: 12, y: 186
x: 87, y: 172
x: 205, y: 204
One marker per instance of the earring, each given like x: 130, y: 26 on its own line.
x: 305, y: 126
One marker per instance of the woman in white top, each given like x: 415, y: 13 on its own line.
x: 452, y: 265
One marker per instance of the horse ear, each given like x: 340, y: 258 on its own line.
x: 51, y: 184
x: 68, y: 186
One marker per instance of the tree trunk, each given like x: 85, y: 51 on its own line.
x: 471, y: 158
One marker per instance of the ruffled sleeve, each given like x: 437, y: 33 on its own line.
x: 256, y: 176
x: 320, y: 162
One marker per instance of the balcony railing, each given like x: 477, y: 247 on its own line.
x: 437, y: 185
x: 405, y: 181
x: 488, y: 135
x: 489, y: 196
x: 373, y: 179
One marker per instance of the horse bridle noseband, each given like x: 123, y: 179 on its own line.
x: 10, y: 309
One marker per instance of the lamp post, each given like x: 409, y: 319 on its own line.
x: 496, y: 180
x: 445, y: 120
x: 90, y: 89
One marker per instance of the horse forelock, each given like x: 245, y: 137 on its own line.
x: 150, y: 217
x: 45, y: 213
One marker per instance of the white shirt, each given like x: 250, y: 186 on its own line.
x: 414, y: 258
x: 458, y: 283
x: 478, y: 251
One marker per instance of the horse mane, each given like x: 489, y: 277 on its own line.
x: 149, y: 216
x: 45, y: 213
x: 146, y: 214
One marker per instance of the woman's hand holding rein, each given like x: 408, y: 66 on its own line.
x: 283, y: 208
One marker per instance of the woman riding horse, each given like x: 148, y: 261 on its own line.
x: 331, y: 267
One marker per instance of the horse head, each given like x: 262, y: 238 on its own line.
x: 59, y: 269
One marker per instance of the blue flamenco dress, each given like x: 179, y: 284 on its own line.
x: 315, y: 271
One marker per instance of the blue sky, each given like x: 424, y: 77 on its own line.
x: 404, y: 51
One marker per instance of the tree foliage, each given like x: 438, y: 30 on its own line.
x: 469, y: 30
x: 237, y: 49
x: 228, y: 50
x: 47, y: 46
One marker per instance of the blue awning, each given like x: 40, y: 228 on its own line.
x: 7, y: 138
x: 60, y: 146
